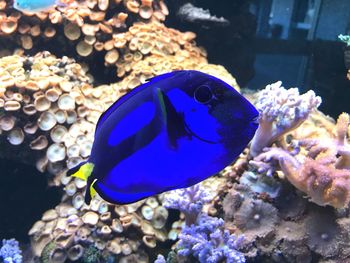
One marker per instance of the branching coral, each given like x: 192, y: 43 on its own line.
x: 209, y: 242
x: 10, y: 251
x: 189, y: 201
x: 280, y: 110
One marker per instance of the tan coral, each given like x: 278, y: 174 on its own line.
x: 44, y: 102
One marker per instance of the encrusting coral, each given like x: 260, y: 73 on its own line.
x: 323, y: 233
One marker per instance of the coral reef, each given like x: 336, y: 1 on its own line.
x: 309, y: 159
x: 324, y: 173
x: 203, y: 237
x: 209, y: 242
x: 10, y: 251
x: 314, y: 231
x: 319, y: 179
x: 88, y: 26
x: 189, y: 201
x: 49, y: 107
x: 73, y: 230
x: 281, y: 110
x: 48, y: 110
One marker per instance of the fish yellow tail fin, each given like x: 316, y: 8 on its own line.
x: 82, y: 171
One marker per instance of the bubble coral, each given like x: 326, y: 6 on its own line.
x: 281, y: 110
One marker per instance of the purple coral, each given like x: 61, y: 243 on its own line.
x: 210, y: 242
x: 281, y: 110
x: 160, y: 259
x: 10, y: 251
x: 189, y: 201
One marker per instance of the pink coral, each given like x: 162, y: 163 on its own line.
x: 319, y: 179
x: 337, y: 145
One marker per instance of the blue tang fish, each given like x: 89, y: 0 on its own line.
x: 174, y: 131
x: 35, y: 5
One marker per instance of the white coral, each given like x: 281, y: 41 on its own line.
x: 281, y: 110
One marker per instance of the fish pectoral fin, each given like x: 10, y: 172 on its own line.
x: 173, y: 120
x: 163, y: 109
x: 82, y: 171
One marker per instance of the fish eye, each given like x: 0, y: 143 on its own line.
x: 203, y: 94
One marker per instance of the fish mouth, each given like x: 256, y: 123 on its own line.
x: 191, y: 133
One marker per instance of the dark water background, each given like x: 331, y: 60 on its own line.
x: 267, y: 40
x: 295, y: 41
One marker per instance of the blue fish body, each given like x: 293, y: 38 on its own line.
x: 171, y: 132
x: 34, y: 5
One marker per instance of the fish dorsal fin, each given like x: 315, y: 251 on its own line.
x: 127, y: 96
